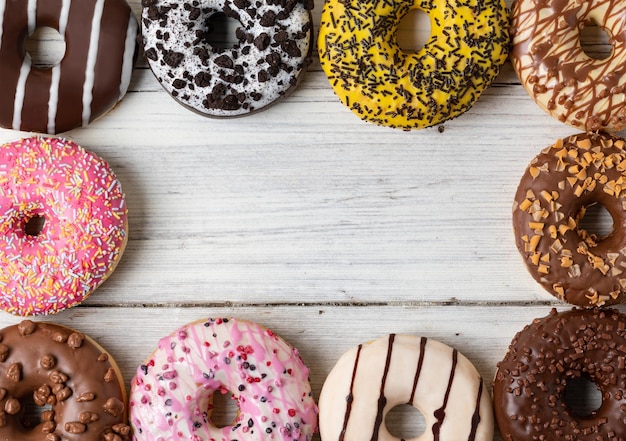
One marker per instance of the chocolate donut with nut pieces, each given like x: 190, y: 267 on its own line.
x: 274, y: 41
x: 578, y: 89
x: 542, y: 366
x: 58, y: 384
x: 558, y: 186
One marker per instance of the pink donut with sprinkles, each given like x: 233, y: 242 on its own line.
x: 171, y: 395
x: 63, y: 225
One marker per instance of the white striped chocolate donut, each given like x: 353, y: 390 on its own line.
x: 94, y: 74
x: 273, y: 50
x: 373, y: 378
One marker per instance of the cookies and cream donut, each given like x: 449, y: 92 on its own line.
x: 547, y: 55
x: 553, y: 194
x: 541, y: 367
x: 373, y: 378
x: 273, y: 50
x: 63, y: 225
x: 385, y: 85
x: 74, y: 383
x: 171, y: 393
x: 93, y: 75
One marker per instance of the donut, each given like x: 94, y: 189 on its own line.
x: 547, y: 356
x: 63, y: 225
x: 171, y: 393
x: 59, y: 384
x: 94, y: 74
x: 547, y: 56
x: 272, y: 52
x: 557, y: 187
x: 373, y: 378
x: 385, y: 85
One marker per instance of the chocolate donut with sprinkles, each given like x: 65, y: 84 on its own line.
x: 63, y: 225
x: 576, y: 88
x: 385, y: 85
x: 273, y: 48
x: 548, y: 362
x: 373, y: 378
x: 91, y: 78
x: 172, y: 392
x: 58, y: 384
x: 556, y: 189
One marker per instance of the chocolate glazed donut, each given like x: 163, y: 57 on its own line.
x: 70, y: 378
x: 92, y: 77
x: 544, y: 358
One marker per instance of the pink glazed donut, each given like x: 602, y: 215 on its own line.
x: 63, y: 225
x: 171, y: 395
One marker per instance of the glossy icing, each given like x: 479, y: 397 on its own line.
x: 579, y: 90
x: 84, y: 231
x: 171, y: 392
x: 385, y: 85
x: 91, y: 78
x: 373, y: 378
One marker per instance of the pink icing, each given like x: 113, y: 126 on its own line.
x: 84, y: 231
x: 170, y: 395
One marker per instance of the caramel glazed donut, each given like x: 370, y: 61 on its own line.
x: 551, y: 199
x: 547, y: 56
x: 92, y: 77
x: 530, y: 391
x: 273, y: 50
x: 58, y: 384
x: 371, y: 379
x: 385, y: 85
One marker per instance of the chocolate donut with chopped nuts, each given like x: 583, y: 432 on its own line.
x: 558, y: 186
x: 272, y: 52
x: 542, y: 366
x: 58, y: 384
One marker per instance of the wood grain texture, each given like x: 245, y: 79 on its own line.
x: 325, y: 228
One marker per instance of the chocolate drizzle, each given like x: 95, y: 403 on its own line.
x: 420, y: 363
x: 440, y: 413
x: 382, y: 399
x: 350, y: 397
x: 547, y: 56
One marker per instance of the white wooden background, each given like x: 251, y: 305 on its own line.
x: 329, y: 230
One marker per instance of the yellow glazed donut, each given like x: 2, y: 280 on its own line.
x: 384, y: 85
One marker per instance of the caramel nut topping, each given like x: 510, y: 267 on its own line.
x: 75, y: 427
x: 103, y: 357
x: 12, y: 406
x: 110, y: 375
x: 4, y: 352
x: 3, y: 419
x: 114, y: 406
x: 87, y: 396
x: 112, y: 437
x: 48, y: 427
x: 47, y: 361
x: 26, y: 327
x: 14, y: 373
x: 75, y: 340
x: 122, y: 429
x: 57, y: 377
x: 67, y: 377
x: 59, y: 337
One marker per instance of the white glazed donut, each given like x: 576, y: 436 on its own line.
x: 373, y: 378
x: 171, y: 394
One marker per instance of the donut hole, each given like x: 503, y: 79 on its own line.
x: 31, y: 414
x: 223, y: 409
x: 595, y: 40
x: 582, y: 396
x: 595, y: 220
x: 46, y: 47
x: 34, y: 225
x: 414, y: 31
x: 221, y: 31
x: 405, y: 422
